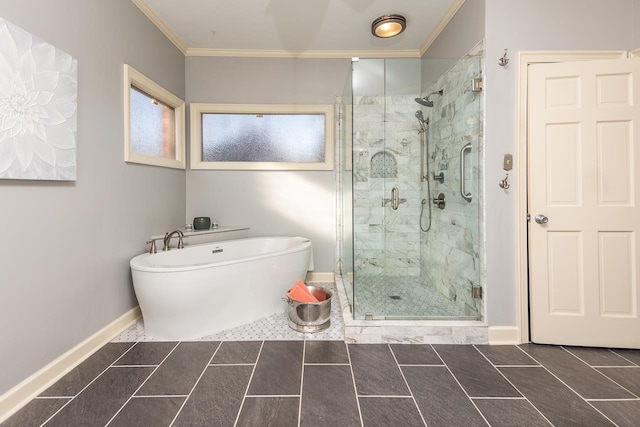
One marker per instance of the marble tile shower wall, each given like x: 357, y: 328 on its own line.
x: 386, y: 241
x: 450, y: 250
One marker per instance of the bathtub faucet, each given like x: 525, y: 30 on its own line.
x: 167, y: 240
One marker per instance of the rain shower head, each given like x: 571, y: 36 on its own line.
x: 426, y: 101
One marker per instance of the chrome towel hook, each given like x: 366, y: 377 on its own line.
x: 504, y: 183
x: 504, y: 60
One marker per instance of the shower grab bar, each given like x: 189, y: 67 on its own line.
x: 463, y: 186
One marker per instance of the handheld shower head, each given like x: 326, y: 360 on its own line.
x: 422, y: 121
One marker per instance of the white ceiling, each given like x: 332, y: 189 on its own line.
x: 311, y: 28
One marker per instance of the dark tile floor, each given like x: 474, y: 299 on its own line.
x: 328, y: 383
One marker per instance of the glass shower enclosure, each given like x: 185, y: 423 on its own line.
x: 409, y: 211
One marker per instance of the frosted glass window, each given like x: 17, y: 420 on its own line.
x: 153, y: 130
x: 263, y: 138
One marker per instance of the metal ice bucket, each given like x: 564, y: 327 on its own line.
x: 310, y: 317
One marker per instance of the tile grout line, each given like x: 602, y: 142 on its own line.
x: 373, y: 396
x: 326, y: 364
x: 567, y: 385
x: 460, y: 385
x: 206, y: 366
x: 133, y: 366
x: 304, y: 352
x: 407, y: 384
x: 235, y: 423
x: 613, y: 400
x: 516, y: 366
x: 271, y: 395
x: 52, y: 397
x: 90, y: 382
x: 499, y: 398
x: 512, y: 384
x: 158, y: 395
x: 230, y: 364
x: 418, y: 364
x: 616, y: 367
x: 355, y: 387
x: 143, y: 382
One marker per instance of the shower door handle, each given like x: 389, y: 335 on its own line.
x: 463, y: 167
x: 395, y: 198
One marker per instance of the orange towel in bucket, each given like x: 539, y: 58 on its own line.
x: 300, y: 293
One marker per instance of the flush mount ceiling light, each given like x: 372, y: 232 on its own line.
x: 388, y: 26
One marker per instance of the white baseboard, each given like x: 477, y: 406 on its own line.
x: 504, y: 335
x: 320, y: 277
x: 21, y: 394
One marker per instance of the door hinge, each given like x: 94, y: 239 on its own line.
x: 476, y: 292
x: 476, y: 84
x: 528, y: 217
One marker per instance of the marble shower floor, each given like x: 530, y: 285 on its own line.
x: 274, y: 327
x: 402, y: 297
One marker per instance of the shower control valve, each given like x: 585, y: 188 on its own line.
x: 438, y: 177
x: 439, y: 201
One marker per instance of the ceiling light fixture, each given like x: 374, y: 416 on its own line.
x: 388, y: 26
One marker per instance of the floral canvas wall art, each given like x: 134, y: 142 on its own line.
x: 38, y: 108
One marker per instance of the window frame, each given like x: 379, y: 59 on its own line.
x: 196, y: 110
x: 132, y: 77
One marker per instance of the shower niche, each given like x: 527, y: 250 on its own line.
x: 383, y: 165
x: 408, y: 120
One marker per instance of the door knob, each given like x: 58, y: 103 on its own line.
x: 541, y: 219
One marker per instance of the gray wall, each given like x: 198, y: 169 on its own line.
x: 64, y: 270
x: 636, y: 24
x: 463, y: 32
x: 301, y: 203
x: 524, y: 26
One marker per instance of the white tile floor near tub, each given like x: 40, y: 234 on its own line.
x: 274, y: 327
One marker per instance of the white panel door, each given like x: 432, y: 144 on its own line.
x: 583, y: 157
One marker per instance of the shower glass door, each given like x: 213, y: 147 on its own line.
x: 386, y: 195
x: 391, y: 255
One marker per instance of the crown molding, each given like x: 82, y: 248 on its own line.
x: 441, y: 26
x: 326, y: 54
x: 173, y: 38
x: 322, y: 54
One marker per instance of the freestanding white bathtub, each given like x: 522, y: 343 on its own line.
x: 204, y: 289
